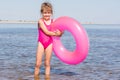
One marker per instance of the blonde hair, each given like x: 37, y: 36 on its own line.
x: 46, y: 6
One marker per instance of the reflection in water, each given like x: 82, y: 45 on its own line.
x: 47, y: 77
x: 37, y: 77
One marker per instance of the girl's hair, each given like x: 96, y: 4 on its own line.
x: 46, y: 6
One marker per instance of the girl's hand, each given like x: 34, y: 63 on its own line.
x: 58, y: 33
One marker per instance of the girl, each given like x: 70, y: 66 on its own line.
x: 44, y: 38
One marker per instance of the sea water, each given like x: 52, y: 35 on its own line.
x: 18, y: 43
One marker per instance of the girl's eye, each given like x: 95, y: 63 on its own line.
x: 46, y: 12
x: 49, y: 12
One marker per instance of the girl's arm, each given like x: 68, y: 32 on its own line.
x: 59, y: 32
x: 45, y: 30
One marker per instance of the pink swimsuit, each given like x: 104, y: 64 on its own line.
x: 44, y: 39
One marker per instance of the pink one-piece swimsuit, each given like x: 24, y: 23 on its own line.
x: 44, y: 39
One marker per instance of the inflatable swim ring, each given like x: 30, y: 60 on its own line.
x: 80, y: 37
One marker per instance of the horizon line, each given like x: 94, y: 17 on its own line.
x: 33, y: 21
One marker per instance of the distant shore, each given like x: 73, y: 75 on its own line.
x: 34, y: 22
x: 17, y: 21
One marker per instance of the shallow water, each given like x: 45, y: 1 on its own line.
x: 18, y: 44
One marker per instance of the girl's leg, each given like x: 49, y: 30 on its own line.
x: 48, y: 53
x: 39, y: 54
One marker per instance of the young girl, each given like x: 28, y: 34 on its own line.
x: 44, y: 38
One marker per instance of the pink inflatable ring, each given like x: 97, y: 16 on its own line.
x: 81, y: 39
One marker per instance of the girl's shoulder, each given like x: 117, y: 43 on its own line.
x: 53, y: 20
x: 40, y: 21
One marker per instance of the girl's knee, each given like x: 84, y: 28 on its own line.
x: 37, y: 65
x: 47, y: 64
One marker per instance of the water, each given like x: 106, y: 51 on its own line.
x: 18, y: 44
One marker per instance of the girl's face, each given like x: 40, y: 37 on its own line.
x: 46, y: 15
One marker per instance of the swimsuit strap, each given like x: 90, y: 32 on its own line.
x: 45, y: 23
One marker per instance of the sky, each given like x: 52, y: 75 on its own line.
x: 85, y: 11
